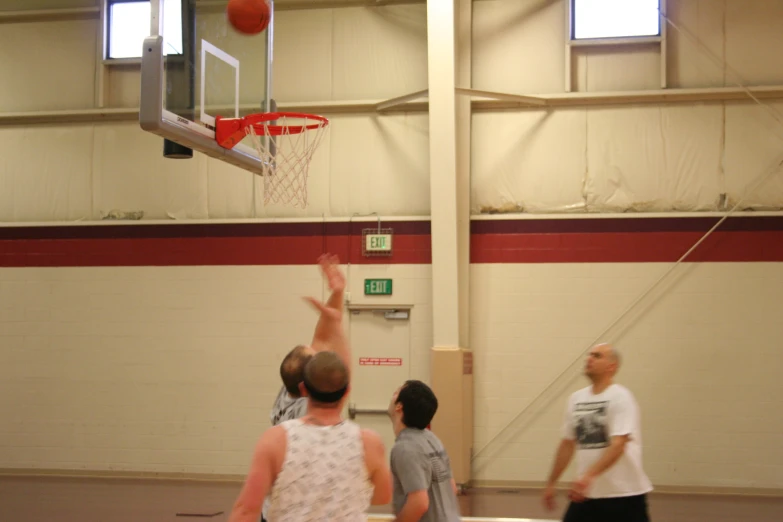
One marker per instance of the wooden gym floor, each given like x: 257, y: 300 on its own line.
x: 56, y: 499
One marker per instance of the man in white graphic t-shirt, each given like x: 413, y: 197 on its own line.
x: 328, y: 335
x: 603, y: 427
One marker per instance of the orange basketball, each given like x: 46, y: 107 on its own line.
x: 248, y: 16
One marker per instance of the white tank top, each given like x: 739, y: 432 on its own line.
x: 324, y: 475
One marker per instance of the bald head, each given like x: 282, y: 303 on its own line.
x: 609, y: 352
x: 614, y: 356
x: 603, y: 361
x: 326, y: 379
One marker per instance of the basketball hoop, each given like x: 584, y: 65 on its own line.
x: 285, y: 149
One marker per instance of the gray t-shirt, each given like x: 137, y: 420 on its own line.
x: 419, y: 461
x: 287, y: 407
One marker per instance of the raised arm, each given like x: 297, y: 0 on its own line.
x: 329, y: 333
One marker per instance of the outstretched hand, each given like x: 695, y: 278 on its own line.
x: 330, y: 268
x: 329, y: 334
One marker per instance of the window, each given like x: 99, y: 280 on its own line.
x: 129, y: 24
x: 615, y: 18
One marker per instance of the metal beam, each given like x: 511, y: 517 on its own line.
x: 80, y: 116
x: 393, y: 102
x: 657, y: 96
x: 553, y: 101
x: 529, y: 100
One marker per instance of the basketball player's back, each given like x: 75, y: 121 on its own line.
x: 324, y: 475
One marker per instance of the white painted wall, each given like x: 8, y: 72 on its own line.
x: 174, y: 369
x: 702, y: 358
x: 160, y: 369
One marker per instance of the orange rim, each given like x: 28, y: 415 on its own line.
x: 230, y: 131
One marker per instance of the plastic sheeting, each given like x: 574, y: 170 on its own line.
x: 622, y: 159
x: 653, y: 158
x: 625, y: 159
x: 117, y: 171
x: 528, y: 161
x: 754, y: 146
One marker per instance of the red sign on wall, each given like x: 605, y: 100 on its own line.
x: 380, y: 361
x: 467, y: 363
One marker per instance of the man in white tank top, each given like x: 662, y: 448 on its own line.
x: 328, y: 335
x: 320, y: 467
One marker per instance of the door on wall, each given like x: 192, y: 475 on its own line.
x: 380, y: 341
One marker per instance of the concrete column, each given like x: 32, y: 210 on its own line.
x: 449, y: 123
x: 443, y: 172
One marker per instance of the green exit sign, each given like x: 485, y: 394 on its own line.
x: 378, y: 242
x: 377, y: 287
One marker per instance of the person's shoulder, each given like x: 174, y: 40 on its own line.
x: 373, y: 442
x: 272, y: 437
x: 283, y: 393
x: 367, y: 433
x: 410, y: 441
x: 283, y: 398
x: 580, y: 394
x: 288, y: 424
x: 300, y: 405
x: 618, y: 390
x: 432, y: 437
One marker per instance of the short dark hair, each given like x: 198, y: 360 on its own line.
x: 419, y: 404
x: 292, y: 369
x: 326, y: 379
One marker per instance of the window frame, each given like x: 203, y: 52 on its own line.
x: 107, y: 54
x: 612, y: 40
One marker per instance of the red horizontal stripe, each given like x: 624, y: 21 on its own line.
x: 648, y: 247
x: 572, y: 247
x: 190, y: 251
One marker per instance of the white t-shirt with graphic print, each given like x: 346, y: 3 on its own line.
x: 592, y: 420
x: 285, y: 408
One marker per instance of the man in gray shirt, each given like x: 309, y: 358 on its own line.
x: 424, y: 488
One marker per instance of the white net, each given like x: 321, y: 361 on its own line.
x: 286, y: 147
